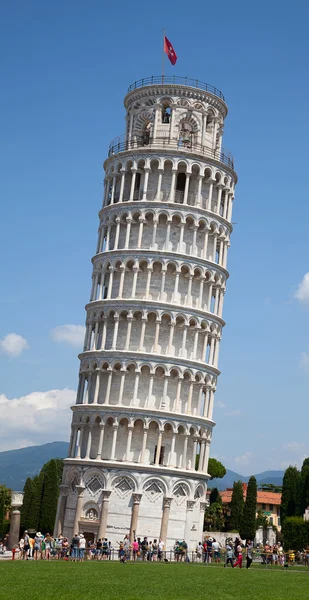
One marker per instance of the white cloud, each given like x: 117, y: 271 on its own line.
x: 244, y: 459
x: 37, y: 418
x: 220, y: 404
x: 302, y: 292
x: 294, y: 446
x: 233, y: 413
x: 13, y: 344
x: 304, y: 361
x: 70, y: 334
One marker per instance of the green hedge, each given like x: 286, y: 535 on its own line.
x: 295, y: 533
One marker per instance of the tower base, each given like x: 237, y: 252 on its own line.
x: 110, y: 502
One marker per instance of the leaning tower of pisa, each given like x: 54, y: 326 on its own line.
x: 143, y: 419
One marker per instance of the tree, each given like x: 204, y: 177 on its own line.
x: 5, y: 504
x: 237, y: 506
x: 295, y: 533
x: 214, y: 517
x: 290, y: 490
x: 248, y: 523
x: 216, y: 469
x: 29, y: 491
x: 50, y: 494
x: 303, y: 492
x: 261, y: 520
x: 35, y: 507
x: 215, y: 496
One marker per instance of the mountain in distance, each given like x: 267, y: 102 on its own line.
x: 17, y: 465
x: 273, y: 477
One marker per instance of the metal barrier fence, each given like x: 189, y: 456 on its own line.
x: 268, y: 559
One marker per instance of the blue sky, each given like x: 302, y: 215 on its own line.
x: 65, y: 69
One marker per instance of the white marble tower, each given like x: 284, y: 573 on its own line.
x: 149, y: 367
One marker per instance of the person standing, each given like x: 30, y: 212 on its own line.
x: 238, y: 562
x: 37, y: 545
x: 199, y: 552
x: 216, y: 550
x: 26, y: 546
x: 135, y: 548
x: 82, y: 548
x: 229, y: 556
x: 155, y: 549
x: 249, y: 555
x: 48, y: 545
x: 75, y: 547
x: 160, y: 549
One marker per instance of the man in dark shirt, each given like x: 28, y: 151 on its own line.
x: 99, y: 550
x: 75, y: 546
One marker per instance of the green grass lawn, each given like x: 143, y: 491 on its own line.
x: 139, y: 581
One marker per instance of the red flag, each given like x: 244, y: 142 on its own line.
x: 168, y: 48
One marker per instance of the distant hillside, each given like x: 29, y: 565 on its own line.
x: 17, y: 465
x: 274, y: 477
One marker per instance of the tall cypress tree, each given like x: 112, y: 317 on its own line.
x: 49, y: 497
x: 290, y: 491
x: 29, y: 491
x: 303, y: 495
x: 214, y: 496
x: 35, y: 507
x: 237, y: 506
x: 248, y: 524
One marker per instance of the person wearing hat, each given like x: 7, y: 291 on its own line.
x: 37, y: 546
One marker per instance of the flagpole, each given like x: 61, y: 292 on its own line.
x: 163, y: 53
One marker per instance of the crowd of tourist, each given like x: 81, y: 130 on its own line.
x: 45, y: 547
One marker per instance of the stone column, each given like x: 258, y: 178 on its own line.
x: 104, y: 513
x: 101, y: 438
x: 172, y: 192
x: 117, y: 221
x: 206, y: 455
x: 108, y: 387
x: 123, y: 174
x: 165, y: 518
x: 80, y: 490
x: 134, y: 282
x: 159, y: 444
x: 201, y: 457
x: 62, y: 501
x: 140, y: 232
x: 199, y: 190
x: 89, y: 440
x: 146, y: 178
x: 163, y: 274
x: 160, y: 175
x: 129, y: 328
x: 133, y: 171
x: 135, y: 390
x: 134, y: 517
x: 114, y: 442
x: 195, y: 438
x: 144, y: 444
x: 128, y: 232
x: 172, y: 458
x: 129, y: 441
x: 97, y: 387
x: 154, y: 233
x: 186, y: 192
x: 185, y: 449
x: 16, y: 502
